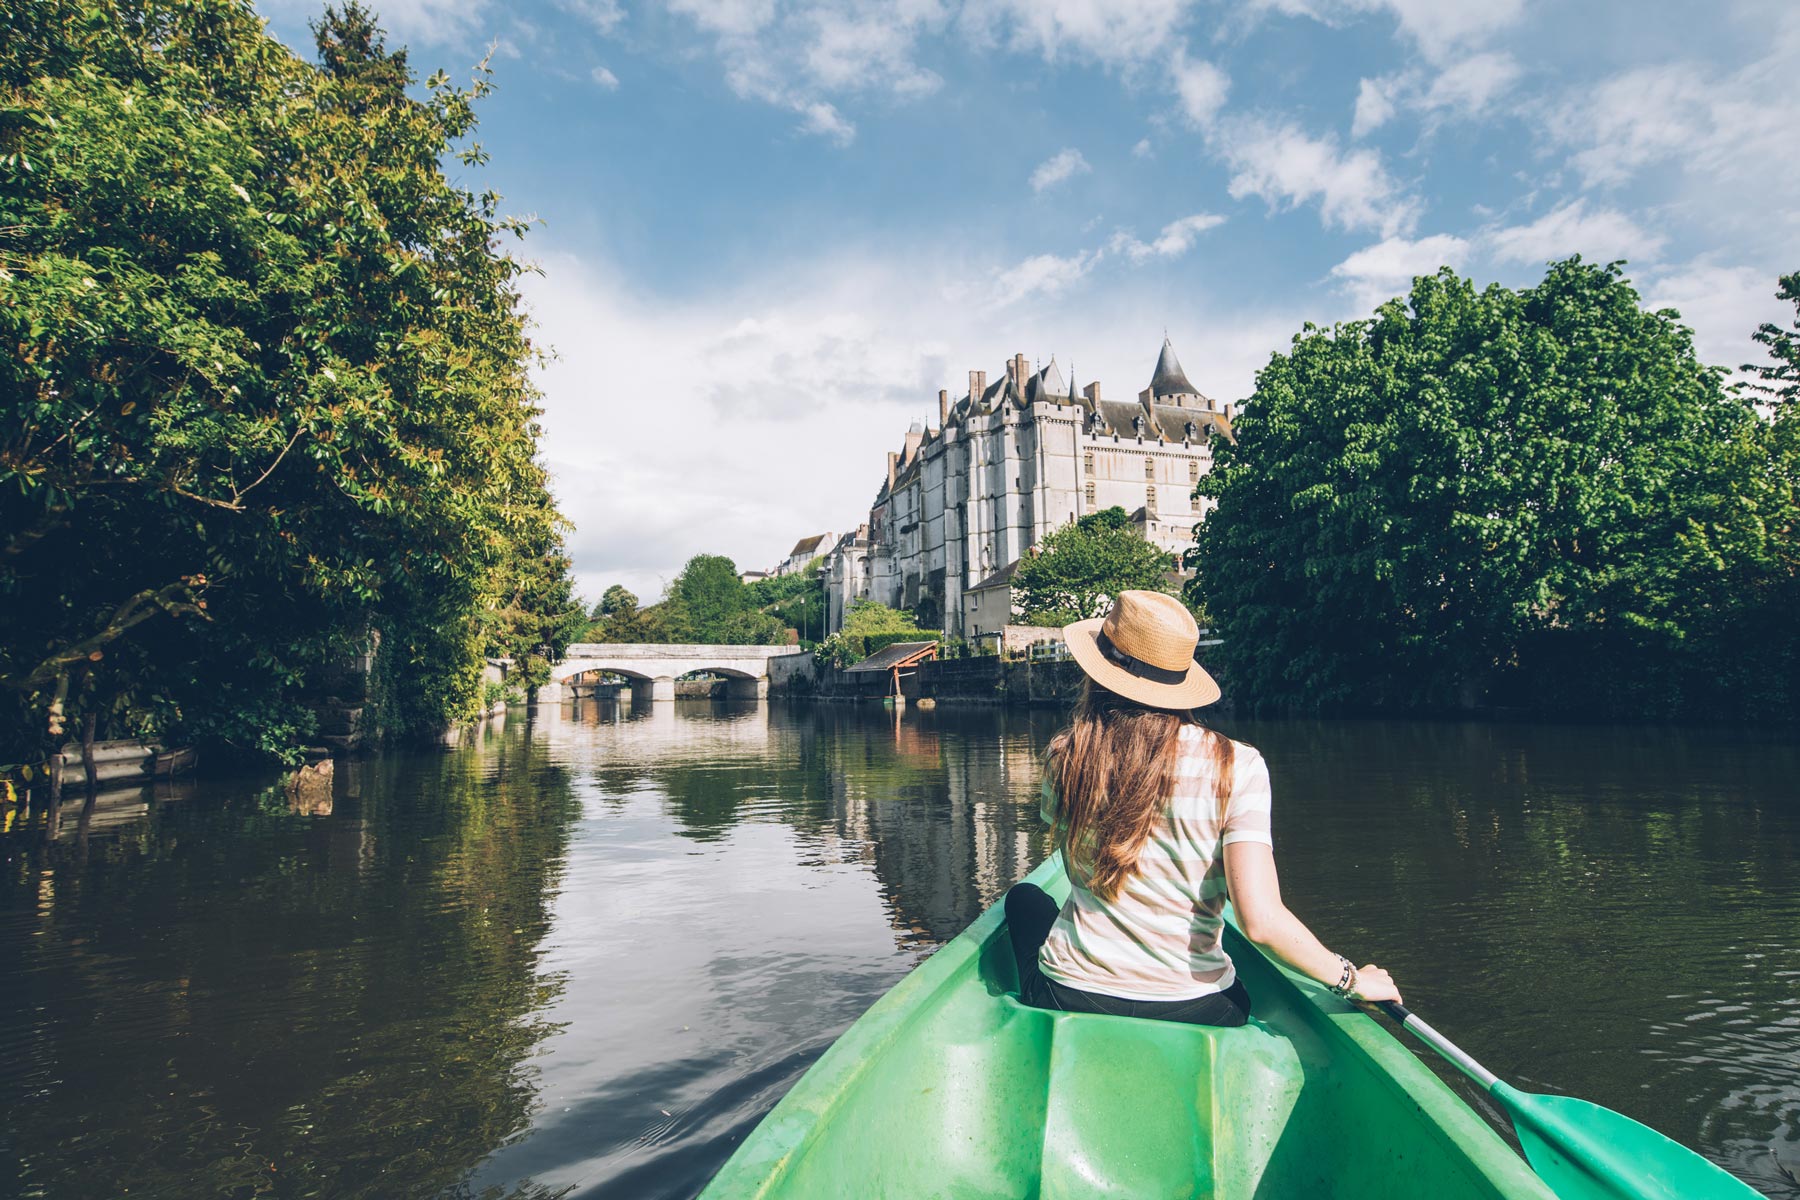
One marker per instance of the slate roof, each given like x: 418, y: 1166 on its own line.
x: 1000, y: 578
x: 1047, y: 384
x: 808, y: 545
x: 1170, y: 379
x: 900, y: 654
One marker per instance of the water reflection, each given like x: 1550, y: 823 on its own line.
x: 584, y: 954
x: 228, y: 998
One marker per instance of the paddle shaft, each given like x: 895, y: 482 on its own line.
x: 1416, y: 1026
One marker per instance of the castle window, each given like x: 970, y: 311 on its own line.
x: 1090, y: 494
x: 1149, y: 468
x: 1193, y: 470
x: 1150, y: 498
x: 1087, y: 461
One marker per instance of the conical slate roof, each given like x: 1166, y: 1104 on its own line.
x: 1170, y: 379
x: 1047, y: 384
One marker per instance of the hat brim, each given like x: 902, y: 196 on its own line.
x: 1197, y: 690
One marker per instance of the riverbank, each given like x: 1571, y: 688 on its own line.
x: 986, y: 679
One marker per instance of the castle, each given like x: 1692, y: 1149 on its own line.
x: 1008, y: 463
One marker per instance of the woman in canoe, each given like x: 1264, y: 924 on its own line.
x: 1158, y: 819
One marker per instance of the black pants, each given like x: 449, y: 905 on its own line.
x: 1030, y: 913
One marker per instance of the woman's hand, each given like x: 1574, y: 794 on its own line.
x: 1373, y: 983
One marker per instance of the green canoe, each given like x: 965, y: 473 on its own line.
x: 949, y: 1087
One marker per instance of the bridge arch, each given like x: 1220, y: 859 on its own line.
x: 655, y: 668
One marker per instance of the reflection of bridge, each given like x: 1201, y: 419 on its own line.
x: 652, y: 670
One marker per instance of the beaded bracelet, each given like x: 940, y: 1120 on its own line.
x: 1346, y: 980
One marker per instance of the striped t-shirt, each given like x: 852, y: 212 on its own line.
x: 1158, y: 939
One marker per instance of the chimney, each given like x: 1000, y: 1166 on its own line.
x: 1018, y: 372
x: 943, y: 407
x: 977, y: 384
x: 1092, y: 392
x: 893, y: 468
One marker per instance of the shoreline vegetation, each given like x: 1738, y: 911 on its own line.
x: 269, y: 407
x: 270, y: 422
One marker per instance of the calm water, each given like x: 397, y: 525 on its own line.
x: 584, y: 956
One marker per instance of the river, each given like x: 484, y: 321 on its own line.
x: 583, y: 955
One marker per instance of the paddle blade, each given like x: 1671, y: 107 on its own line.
x: 1585, y: 1152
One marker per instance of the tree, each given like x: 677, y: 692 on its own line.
x: 616, y: 601
x: 1781, y: 378
x: 266, y: 385
x: 796, y: 600
x: 708, y: 592
x: 1075, y: 571
x: 868, y: 626
x: 1501, y: 493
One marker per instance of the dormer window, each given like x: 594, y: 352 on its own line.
x: 1191, y: 431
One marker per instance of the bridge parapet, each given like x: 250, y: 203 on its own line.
x: 655, y: 666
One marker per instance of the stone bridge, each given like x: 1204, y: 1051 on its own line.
x: 651, y: 670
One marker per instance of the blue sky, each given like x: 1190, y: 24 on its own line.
x: 772, y: 230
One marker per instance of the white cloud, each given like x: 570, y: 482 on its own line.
x: 800, y: 56
x: 605, y: 78
x: 1440, y: 27
x: 1598, y: 235
x: 1176, y: 238
x: 1116, y: 32
x: 1437, y: 27
x: 1466, y: 88
x: 1723, y: 306
x: 665, y: 419
x: 1201, y: 87
x: 1719, y: 128
x: 1060, y: 167
x: 1044, y: 275
x: 1283, y: 165
x: 866, y: 50
x: 1374, y: 105
x: 1142, y: 149
x: 604, y: 15
x: 1386, y: 269
x: 1471, y: 85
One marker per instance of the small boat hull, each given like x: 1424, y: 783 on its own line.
x: 948, y: 1086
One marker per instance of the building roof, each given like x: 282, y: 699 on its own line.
x: 807, y: 545
x: 900, y: 654
x: 1170, y: 379
x: 1000, y: 578
x: 1047, y: 384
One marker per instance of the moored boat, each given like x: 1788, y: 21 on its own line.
x: 949, y: 1087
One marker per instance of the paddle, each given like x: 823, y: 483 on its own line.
x: 1583, y: 1151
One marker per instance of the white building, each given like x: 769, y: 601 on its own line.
x: 804, y: 551
x: 1010, y: 462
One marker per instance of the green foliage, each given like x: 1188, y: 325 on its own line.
x: 1780, y: 378
x: 796, y: 600
x: 265, y: 384
x: 706, y: 603
x: 868, y: 626
x: 1074, y: 573
x: 1537, y: 497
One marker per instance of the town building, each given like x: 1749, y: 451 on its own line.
x: 804, y: 551
x: 1009, y: 462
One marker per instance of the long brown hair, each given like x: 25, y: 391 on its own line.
x: 1114, y: 772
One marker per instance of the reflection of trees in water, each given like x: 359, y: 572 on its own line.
x: 943, y: 805
x: 339, y: 1006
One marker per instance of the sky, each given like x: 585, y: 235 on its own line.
x: 769, y: 231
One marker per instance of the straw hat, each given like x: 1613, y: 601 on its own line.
x: 1143, y: 650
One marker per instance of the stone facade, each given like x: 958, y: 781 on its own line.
x: 1009, y: 462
